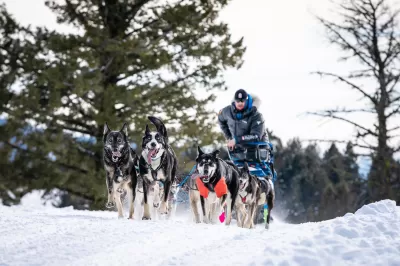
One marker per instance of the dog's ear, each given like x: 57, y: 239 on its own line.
x: 246, y: 167
x: 124, y: 129
x: 200, y: 152
x: 147, y: 131
x: 160, y: 126
x: 215, y: 153
x: 106, y: 129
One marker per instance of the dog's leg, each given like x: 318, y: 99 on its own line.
x: 119, y: 203
x: 221, y: 205
x: 205, y: 209
x: 172, y: 201
x: 213, y: 208
x: 239, y: 215
x: 174, y: 190
x: 240, y: 212
x: 110, y: 189
x: 138, y: 203
x: 155, y: 195
x: 270, y: 201
x: 164, y: 203
x: 146, y: 210
x: 131, y: 197
x: 194, y: 197
x: 229, y: 206
x: 250, y: 217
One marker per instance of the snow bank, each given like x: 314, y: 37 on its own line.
x: 51, y: 236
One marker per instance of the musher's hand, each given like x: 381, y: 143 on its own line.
x: 231, y: 144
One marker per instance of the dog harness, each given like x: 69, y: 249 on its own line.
x: 220, y: 188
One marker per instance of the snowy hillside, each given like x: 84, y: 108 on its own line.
x: 49, y: 236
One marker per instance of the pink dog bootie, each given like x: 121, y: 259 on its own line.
x: 222, y: 217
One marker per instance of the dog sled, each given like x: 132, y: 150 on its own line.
x: 259, y: 157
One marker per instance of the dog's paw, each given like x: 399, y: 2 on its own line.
x: 110, y: 204
x: 146, y: 218
x: 164, y: 213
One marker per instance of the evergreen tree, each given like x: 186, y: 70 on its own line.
x: 350, y: 163
x: 15, y: 54
x: 129, y: 60
x: 301, y: 179
x: 359, y: 185
x: 337, y: 187
x: 346, y: 191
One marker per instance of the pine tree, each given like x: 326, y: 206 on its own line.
x: 359, y: 185
x: 15, y: 54
x: 337, y: 188
x: 346, y: 191
x: 129, y: 60
x: 301, y: 179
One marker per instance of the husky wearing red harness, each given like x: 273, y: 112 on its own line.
x: 215, y: 183
x: 254, y: 192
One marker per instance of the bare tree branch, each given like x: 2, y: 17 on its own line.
x: 352, y: 85
x: 369, y: 147
x: 346, y: 111
x: 393, y: 129
x: 341, y: 41
x: 331, y: 115
x: 394, y: 112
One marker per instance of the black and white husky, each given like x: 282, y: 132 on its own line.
x: 157, y: 162
x: 254, y: 192
x: 205, y: 188
x: 118, y: 159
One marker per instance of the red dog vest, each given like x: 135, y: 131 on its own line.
x: 220, y: 188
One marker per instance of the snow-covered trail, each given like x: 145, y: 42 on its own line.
x: 49, y: 236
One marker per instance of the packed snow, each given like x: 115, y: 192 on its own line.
x: 31, y: 235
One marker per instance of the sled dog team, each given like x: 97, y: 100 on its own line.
x: 217, y: 184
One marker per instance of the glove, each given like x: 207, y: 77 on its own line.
x: 231, y: 144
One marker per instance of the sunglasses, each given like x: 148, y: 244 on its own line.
x: 240, y: 100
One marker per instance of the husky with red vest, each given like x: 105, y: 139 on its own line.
x: 254, y: 192
x: 214, y: 184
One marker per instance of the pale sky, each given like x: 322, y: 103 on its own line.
x: 284, y: 44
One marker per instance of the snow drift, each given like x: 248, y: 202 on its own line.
x: 50, y: 236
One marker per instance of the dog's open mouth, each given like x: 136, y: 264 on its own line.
x: 242, y: 185
x: 205, y: 178
x: 115, y: 155
x: 152, y: 154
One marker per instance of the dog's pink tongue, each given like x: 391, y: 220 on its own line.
x: 150, y: 154
x: 116, y: 153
